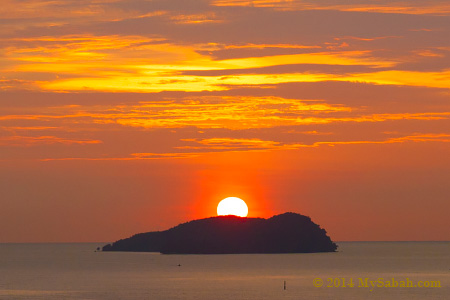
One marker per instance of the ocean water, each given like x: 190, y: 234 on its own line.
x: 76, y: 271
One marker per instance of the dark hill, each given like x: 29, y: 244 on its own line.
x: 285, y: 233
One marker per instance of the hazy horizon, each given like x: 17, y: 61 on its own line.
x: 55, y: 271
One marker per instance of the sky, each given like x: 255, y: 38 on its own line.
x: 127, y: 116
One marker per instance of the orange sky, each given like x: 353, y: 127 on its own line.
x: 118, y: 117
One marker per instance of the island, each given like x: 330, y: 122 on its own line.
x: 284, y: 233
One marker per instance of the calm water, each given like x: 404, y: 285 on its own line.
x: 75, y: 271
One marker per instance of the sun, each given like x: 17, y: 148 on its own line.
x: 232, y: 206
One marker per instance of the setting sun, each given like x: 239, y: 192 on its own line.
x: 232, y: 206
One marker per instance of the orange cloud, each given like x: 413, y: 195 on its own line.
x: 108, y: 63
x: 216, y: 145
x: 280, y: 4
x: 27, y: 141
x: 134, y: 156
x: 230, y: 144
x: 410, y: 78
x: 265, y: 46
x: 226, y: 112
x: 211, y: 112
x: 429, y: 137
x: 397, y: 7
x: 196, y: 18
x: 233, y: 144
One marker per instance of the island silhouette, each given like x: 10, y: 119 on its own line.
x: 284, y: 233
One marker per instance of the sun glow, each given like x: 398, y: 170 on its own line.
x: 232, y: 206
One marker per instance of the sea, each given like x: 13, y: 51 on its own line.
x: 359, y: 270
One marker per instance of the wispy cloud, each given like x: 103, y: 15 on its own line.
x: 230, y: 144
x: 384, y: 6
x: 209, y: 66
x: 108, y: 63
x: 200, y: 147
x: 213, y: 112
x: 196, y: 18
x: 28, y: 141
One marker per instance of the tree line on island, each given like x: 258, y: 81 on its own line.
x: 285, y: 233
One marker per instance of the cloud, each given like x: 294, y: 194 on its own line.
x: 141, y: 46
x: 429, y: 137
x: 227, y: 75
x: 196, y: 18
x: 28, y: 141
x: 230, y: 144
x: 384, y: 6
x: 108, y: 63
x: 201, y: 147
x: 232, y: 112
